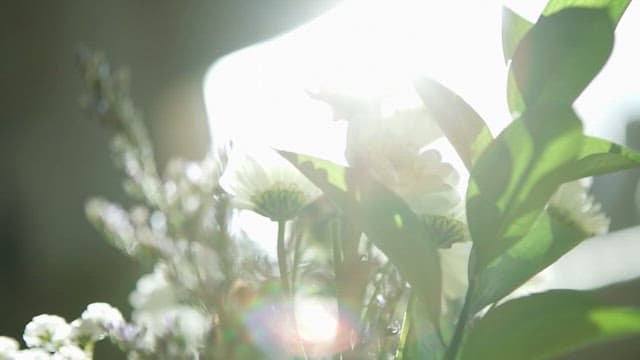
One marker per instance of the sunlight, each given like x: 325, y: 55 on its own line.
x: 260, y: 94
x: 361, y: 48
x: 317, y: 320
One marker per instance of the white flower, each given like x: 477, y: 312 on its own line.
x: 96, y: 322
x: 153, y: 292
x: 70, y: 352
x: 266, y: 183
x: 48, y: 332
x: 572, y: 203
x: 32, y: 354
x: 8, y: 347
x: 185, y: 325
x: 392, y: 149
x: 103, y: 314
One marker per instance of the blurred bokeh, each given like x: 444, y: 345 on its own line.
x: 53, y: 156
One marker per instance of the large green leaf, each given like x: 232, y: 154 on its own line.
x: 388, y: 222
x: 515, y: 177
x: 548, y: 240
x: 615, y: 8
x: 546, y: 325
x: 514, y: 28
x: 600, y: 156
x: 396, y: 230
x: 462, y: 125
x: 561, y: 54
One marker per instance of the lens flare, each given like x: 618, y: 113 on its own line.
x: 312, y: 326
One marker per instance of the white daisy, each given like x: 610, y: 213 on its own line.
x: 266, y: 183
x: 572, y: 203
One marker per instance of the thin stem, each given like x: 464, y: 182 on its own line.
x: 282, y: 258
x: 296, y: 263
x: 284, y: 282
x: 452, y: 350
x: 406, y: 328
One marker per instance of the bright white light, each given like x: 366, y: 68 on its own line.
x: 364, y: 48
x: 375, y: 47
x: 317, y: 320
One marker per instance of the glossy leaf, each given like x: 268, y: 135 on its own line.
x: 462, y: 125
x: 548, y: 240
x: 600, y: 156
x: 561, y: 54
x: 514, y: 28
x: 545, y: 325
x: 615, y: 8
x: 515, y: 177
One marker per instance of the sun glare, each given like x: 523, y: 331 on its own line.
x: 370, y: 48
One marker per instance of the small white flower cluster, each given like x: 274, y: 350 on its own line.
x: 51, y: 337
x: 159, y: 321
x: 179, y: 328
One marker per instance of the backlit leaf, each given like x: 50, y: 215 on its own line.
x: 462, y: 125
x: 545, y: 325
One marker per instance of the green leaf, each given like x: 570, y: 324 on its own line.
x: 331, y: 178
x: 546, y: 325
x: 561, y: 54
x: 515, y: 177
x: 600, y: 156
x: 548, y: 240
x: 388, y: 222
x: 462, y: 125
x: 514, y: 98
x: 514, y: 28
x: 396, y: 230
x: 615, y: 8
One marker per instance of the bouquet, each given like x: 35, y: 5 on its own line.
x: 394, y: 255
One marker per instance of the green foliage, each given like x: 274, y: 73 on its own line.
x: 615, y: 8
x: 514, y: 178
x: 387, y: 221
x: 514, y: 28
x: 600, y: 156
x: 546, y: 325
x: 465, y: 129
x: 561, y: 54
x: 546, y: 242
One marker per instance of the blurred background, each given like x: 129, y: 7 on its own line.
x: 53, y: 156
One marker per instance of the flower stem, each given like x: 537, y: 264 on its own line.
x: 282, y: 258
x: 452, y: 350
x: 406, y: 329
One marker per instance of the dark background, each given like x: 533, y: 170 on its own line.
x: 53, y: 156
